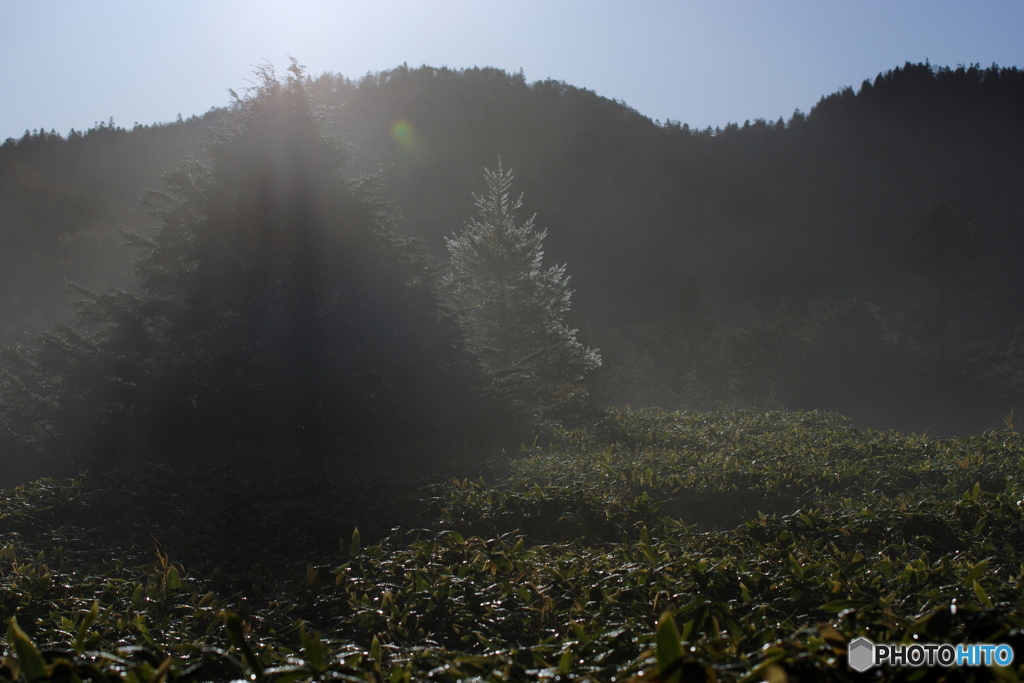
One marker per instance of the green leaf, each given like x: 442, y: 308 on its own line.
x: 843, y: 605
x: 288, y: 674
x: 236, y: 634
x: 399, y: 675
x: 353, y: 548
x: 667, y: 638
x: 83, y: 628
x: 140, y: 623
x: 375, y: 650
x: 313, y: 647
x: 795, y: 564
x: 565, y: 663
x: 647, y: 551
x: 173, y: 579
x: 982, y: 596
x: 32, y: 665
x: 688, y: 629
x: 977, y: 571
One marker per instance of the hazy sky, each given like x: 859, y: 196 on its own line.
x: 71, y: 64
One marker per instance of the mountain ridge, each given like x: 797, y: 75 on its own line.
x: 744, y: 218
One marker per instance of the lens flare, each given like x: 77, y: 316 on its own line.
x: 403, y: 133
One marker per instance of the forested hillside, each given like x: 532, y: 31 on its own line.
x: 669, y: 232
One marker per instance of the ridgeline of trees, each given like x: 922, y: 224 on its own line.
x: 781, y: 263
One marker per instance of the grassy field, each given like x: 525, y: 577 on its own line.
x: 770, y: 539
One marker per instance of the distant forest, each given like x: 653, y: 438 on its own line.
x: 863, y: 257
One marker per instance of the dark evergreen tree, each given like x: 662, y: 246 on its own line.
x: 276, y: 302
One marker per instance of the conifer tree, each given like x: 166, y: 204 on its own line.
x: 514, y: 310
x: 276, y: 303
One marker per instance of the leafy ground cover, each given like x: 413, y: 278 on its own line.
x: 771, y: 540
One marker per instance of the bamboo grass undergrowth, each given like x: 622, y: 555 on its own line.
x: 767, y: 540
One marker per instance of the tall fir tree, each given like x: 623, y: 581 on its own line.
x: 514, y: 310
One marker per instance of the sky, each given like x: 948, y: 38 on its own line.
x: 72, y: 64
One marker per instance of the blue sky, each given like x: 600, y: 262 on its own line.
x: 71, y: 64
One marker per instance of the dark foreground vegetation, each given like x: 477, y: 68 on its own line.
x: 772, y: 538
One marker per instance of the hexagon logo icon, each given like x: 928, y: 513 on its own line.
x: 861, y: 654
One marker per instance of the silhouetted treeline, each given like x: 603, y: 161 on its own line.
x: 785, y: 225
x: 64, y: 201
x: 275, y: 305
